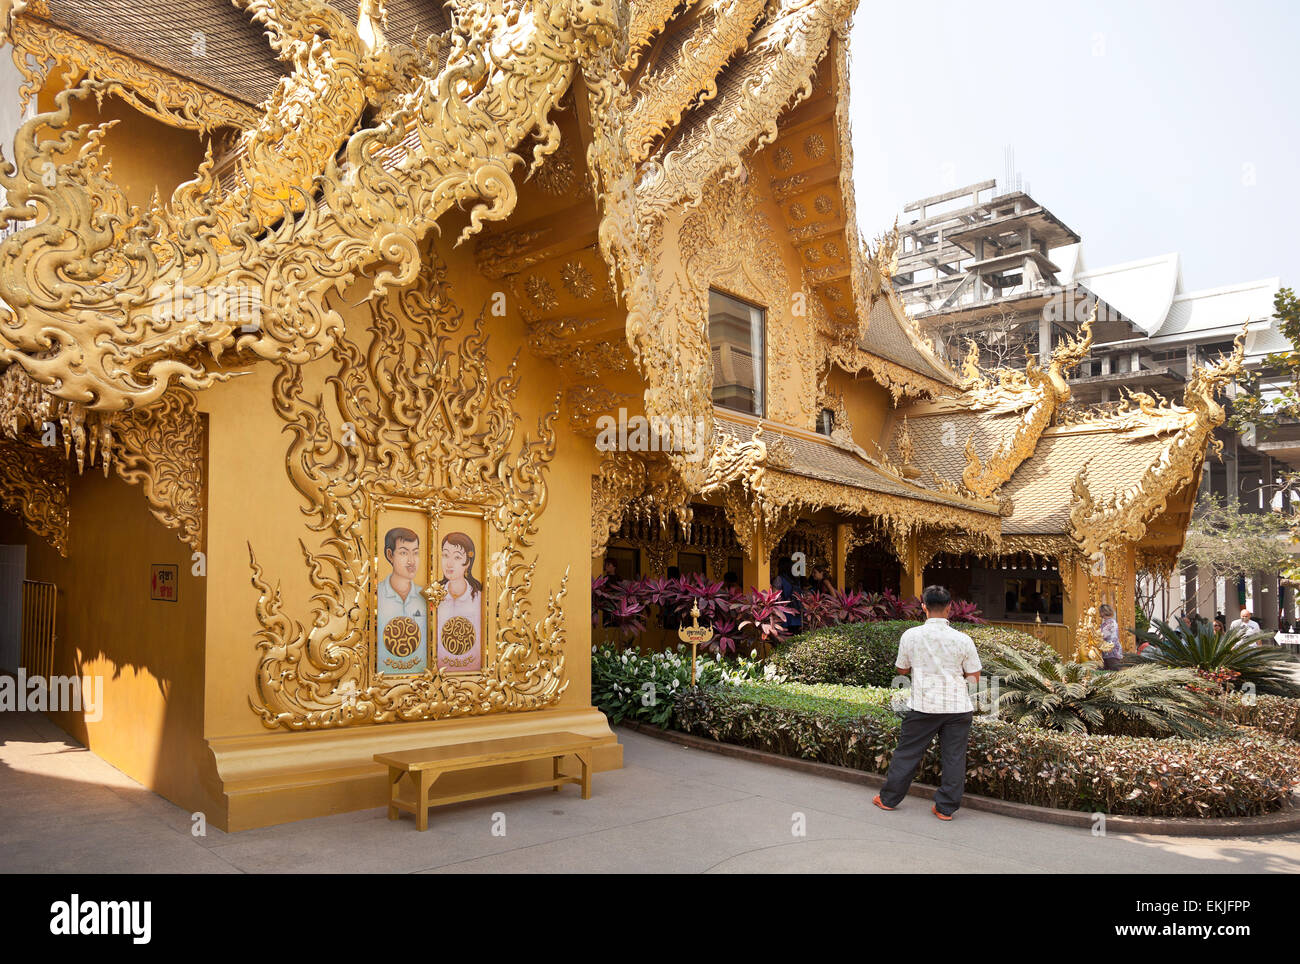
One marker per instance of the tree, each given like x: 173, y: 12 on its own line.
x: 1232, y: 544
x: 1271, y: 394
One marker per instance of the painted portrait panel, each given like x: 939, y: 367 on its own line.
x: 460, y: 613
x: 401, y: 607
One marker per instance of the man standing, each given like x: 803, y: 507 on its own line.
x: 940, y: 660
x: 1247, y: 624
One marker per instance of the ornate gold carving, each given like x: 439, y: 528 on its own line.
x: 622, y: 479
x: 331, y: 193
x: 160, y: 449
x: 1104, y: 524
x: 1049, y: 389
x: 161, y: 95
x: 787, y: 187
x: 690, y: 75
x: 578, y: 280
x: 34, y: 487
x: 428, y: 423
x: 587, y: 403
x: 541, y: 293
x: 781, y: 61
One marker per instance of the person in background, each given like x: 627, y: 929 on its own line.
x: 821, y: 581
x: 785, y: 583
x: 1245, y: 622
x: 611, y: 571
x: 940, y: 660
x: 1113, y: 652
x: 1220, y: 623
x: 730, y: 581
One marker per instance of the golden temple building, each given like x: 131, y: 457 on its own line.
x: 315, y: 316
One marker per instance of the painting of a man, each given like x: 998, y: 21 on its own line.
x: 403, y: 617
x: 460, y: 614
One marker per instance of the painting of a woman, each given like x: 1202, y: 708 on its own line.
x: 460, y: 614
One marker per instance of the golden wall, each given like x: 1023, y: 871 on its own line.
x: 148, y: 654
x: 271, y: 774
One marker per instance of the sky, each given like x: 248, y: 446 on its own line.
x: 1147, y: 127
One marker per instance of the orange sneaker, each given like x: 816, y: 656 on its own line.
x: 880, y: 803
x: 941, y: 816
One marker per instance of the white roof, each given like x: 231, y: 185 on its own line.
x: 1217, y: 308
x: 1143, y: 290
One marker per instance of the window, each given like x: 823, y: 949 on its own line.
x: 826, y: 422
x: 736, y: 339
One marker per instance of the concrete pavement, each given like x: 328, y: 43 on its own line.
x: 671, y: 809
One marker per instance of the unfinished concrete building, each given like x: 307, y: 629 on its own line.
x: 1000, y: 270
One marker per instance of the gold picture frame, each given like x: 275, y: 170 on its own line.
x: 437, y: 520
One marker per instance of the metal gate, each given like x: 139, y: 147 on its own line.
x: 38, y: 628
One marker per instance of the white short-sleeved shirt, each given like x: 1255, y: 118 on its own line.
x: 939, y: 658
x: 1250, y: 626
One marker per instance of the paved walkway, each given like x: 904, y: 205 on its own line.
x: 670, y: 809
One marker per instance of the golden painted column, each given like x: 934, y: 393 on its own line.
x: 758, y: 563
x: 911, y: 578
x: 1074, y: 579
x: 841, y: 560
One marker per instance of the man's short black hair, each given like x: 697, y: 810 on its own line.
x: 936, y: 597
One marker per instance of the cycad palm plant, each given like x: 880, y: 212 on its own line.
x: 1077, y: 698
x: 1200, y: 647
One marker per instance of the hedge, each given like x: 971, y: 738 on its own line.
x: 1242, y: 775
x: 1279, y: 715
x: 863, y: 654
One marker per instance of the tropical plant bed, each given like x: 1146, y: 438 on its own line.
x: 1280, y: 822
x: 1245, y: 773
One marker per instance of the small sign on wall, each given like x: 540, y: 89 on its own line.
x: 163, y: 582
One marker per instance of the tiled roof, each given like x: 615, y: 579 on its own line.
x: 887, y: 338
x: 1040, y: 487
x: 816, y: 459
x: 209, y: 41
x: 213, y: 42
x: 939, y: 439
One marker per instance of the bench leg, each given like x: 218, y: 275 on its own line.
x: 424, y: 780
x: 584, y: 757
x: 555, y: 772
x: 394, y: 778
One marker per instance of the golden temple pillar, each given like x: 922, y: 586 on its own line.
x: 1075, y: 582
x: 758, y: 561
x: 841, y: 556
x: 911, y: 578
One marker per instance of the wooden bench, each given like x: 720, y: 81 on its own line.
x: 426, y: 765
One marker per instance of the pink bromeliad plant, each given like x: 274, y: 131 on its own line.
x: 760, y: 615
x: 767, y: 612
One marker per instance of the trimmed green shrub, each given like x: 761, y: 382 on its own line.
x: 845, y: 702
x: 988, y: 639
x: 863, y: 654
x: 1240, y: 775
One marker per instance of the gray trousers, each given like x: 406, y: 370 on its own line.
x: 913, y: 740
